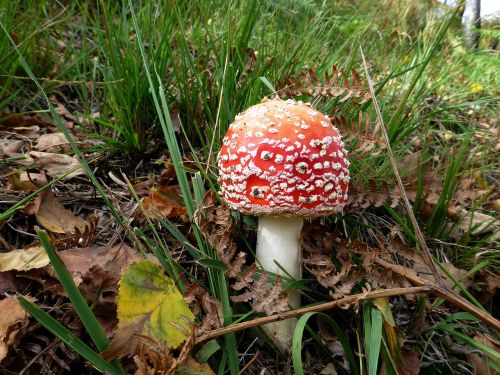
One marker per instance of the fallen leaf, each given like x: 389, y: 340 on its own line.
x: 10, y: 147
x: 329, y: 369
x: 478, y: 223
x: 489, y: 284
x: 65, y: 115
x: 54, y: 217
x: 24, y: 181
x: 13, y: 322
x: 52, y: 142
x: 149, y: 304
x: 411, y: 361
x: 57, y: 165
x: 79, y: 262
x: 165, y: 201
x: 8, y: 283
x: 24, y: 259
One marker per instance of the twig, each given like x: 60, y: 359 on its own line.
x: 250, y: 363
x: 451, y: 297
x: 322, y: 307
x: 411, y: 214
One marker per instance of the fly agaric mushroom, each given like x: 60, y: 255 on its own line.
x: 283, y: 161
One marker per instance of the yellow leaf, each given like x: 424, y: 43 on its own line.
x: 476, y: 87
x: 151, y: 304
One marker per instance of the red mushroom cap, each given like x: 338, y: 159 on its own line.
x: 283, y: 158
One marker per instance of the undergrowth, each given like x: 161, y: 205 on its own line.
x: 159, y: 84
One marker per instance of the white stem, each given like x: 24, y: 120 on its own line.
x: 279, y: 250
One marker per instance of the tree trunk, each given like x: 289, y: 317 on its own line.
x: 471, y: 20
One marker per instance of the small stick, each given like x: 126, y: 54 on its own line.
x: 322, y: 307
x: 437, y: 290
x: 392, y: 158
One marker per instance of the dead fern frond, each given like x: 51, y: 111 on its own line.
x: 77, y: 239
x: 336, y: 85
x: 252, y: 282
x: 365, y: 137
x: 375, y: 194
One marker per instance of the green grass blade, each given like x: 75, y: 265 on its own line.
x: 88, y: 319
x: 297, y: 342
x: 66, y: 336
x: 373, y: 336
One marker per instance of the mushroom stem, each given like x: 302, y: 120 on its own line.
x: 279, y: 252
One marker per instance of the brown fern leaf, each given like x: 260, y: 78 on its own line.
x: 376, y: 194
x: 365, y: 137
x: 336, y: 86
x: 216, y: 224
x: 321, y: 247
x: 77, y: 239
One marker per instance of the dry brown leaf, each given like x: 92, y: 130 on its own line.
x: 54, y: 217
x: 8, y: 283
x: 10, y: 147
x: 13, y: 322
x: 489, y: 283
x: 52, y: 142
x: 411, y: 361
x: 24, y: 259
x: 329, y: 369
x: 164, y: 201
x: 477, y: 223
x: 57, y: 165
x: 24, y: 181
x: 66, y: 115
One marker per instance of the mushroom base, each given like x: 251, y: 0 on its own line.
x: 279, y: 252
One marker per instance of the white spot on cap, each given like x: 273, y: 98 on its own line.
x: 301, y: 167
x: 266, y: 155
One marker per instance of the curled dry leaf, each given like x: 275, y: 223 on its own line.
x: 54, y: 217
x: 24, y: 181
x: 13, y: 323
x: 165, y: 201
x: 56, y: 165
x: 24, y: 259
x: 52, y: 142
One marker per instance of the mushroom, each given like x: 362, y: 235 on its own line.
x: 283, y: 161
